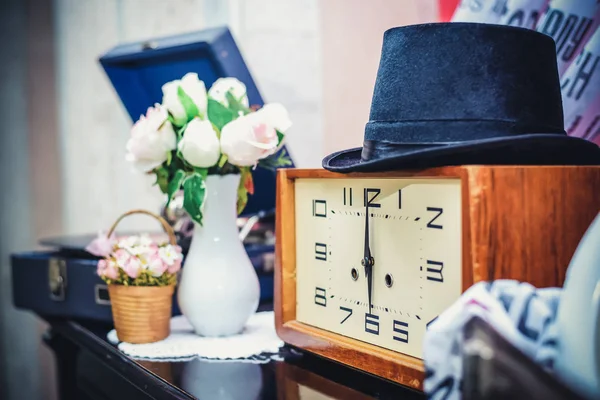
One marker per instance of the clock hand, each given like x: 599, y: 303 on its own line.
x: 367, y: 260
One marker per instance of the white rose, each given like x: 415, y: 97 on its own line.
x: 200, y: 144
x: 152, y: 139
x: 221, y: 86
x: 193, y: 87
x: 252, y: 137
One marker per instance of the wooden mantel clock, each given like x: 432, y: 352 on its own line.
x: 366, y: 261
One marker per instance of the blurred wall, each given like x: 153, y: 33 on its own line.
x: 20, y: 377
x: 351, y: 36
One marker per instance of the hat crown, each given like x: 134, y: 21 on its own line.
x: 462, y: 72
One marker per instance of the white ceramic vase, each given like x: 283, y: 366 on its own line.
x: 219, y: 288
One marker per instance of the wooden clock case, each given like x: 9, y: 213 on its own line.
x: 519, y: 222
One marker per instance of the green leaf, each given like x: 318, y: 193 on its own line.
x: 175, y: 184
x: 245, y: 187
x: 280, y: 137
x: 222, y: 160
x: 169, y: 158
x: 218, y: 114
x: 194, y: 192
x: 190, y: 107
x: 281, y: 159
x: 180, y: 131
x: 162, y: 178
x: 202, y: 171
x: 236, y: 105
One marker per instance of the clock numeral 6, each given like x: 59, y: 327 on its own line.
x: 320, y: 297
x: 321, y: 251
x: 319, y: 208
x: 401, y: 328
x: 372, y: 323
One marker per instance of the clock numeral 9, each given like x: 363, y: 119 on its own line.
x: 372, y: 323
x: 401, y: 328
x: 321, y: 251
x: 319, y: 208
x: 320, y: 297
x: 434, y: 271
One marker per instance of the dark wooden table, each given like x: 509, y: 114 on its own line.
x: 89, y: 367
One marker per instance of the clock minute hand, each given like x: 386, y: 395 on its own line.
x: 367, y: 260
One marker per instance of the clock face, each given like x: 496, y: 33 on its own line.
x: 412, y: 248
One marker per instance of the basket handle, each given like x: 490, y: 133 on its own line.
x: 167, y: 228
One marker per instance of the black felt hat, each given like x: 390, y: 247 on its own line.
x: 465, y: 93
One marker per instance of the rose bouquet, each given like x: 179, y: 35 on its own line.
x: 139, y: 261
x: 194, y: 133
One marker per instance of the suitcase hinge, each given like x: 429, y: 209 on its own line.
x: 57, y: 279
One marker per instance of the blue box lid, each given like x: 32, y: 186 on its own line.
x: 139, y: 70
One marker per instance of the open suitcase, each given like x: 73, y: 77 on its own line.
x: 62, y: 281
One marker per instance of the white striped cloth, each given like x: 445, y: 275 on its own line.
x: 524, y: 315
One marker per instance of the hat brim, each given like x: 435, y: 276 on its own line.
x: 529, y: 149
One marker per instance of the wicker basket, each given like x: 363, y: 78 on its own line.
x: 142, y: 314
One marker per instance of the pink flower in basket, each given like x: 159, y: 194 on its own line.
x: 155, y: 264
x: 108, y: 269
x: 102, y: 245
x: 132, y: 267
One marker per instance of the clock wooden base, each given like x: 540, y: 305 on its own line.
x: 514, y: 222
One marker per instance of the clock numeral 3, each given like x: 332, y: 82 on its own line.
x: 370, y: 200
x: 321, y: 251
x: 439, y: 212
x: 372, y: 323
x: 319, y: 208
x: 348, y: 198
x: 434, y: 271
x: 401, y: 328
x: 348, y: 310
x: 320, y: 297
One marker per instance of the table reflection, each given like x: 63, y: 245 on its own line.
x: 296, y: 377
x: 221, y: 380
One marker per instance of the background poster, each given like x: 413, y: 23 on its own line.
x: 581, y: 92
x: 486, y: 11
x: 523, y: 13
x: 571, y: 23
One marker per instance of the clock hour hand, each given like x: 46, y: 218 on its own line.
x: 367, y: 260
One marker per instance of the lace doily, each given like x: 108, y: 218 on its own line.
x: 257, y: 343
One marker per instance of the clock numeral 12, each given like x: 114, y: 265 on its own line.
x: 371, y: 200
x: 401, y: 328
x: 319, y: 208
x: 434, y: 271
x: 372, y: 323
x: 321, y: 251
x: 320, y: 297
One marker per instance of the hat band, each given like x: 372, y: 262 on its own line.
x: 383, y: 139
x: 450, y: 131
